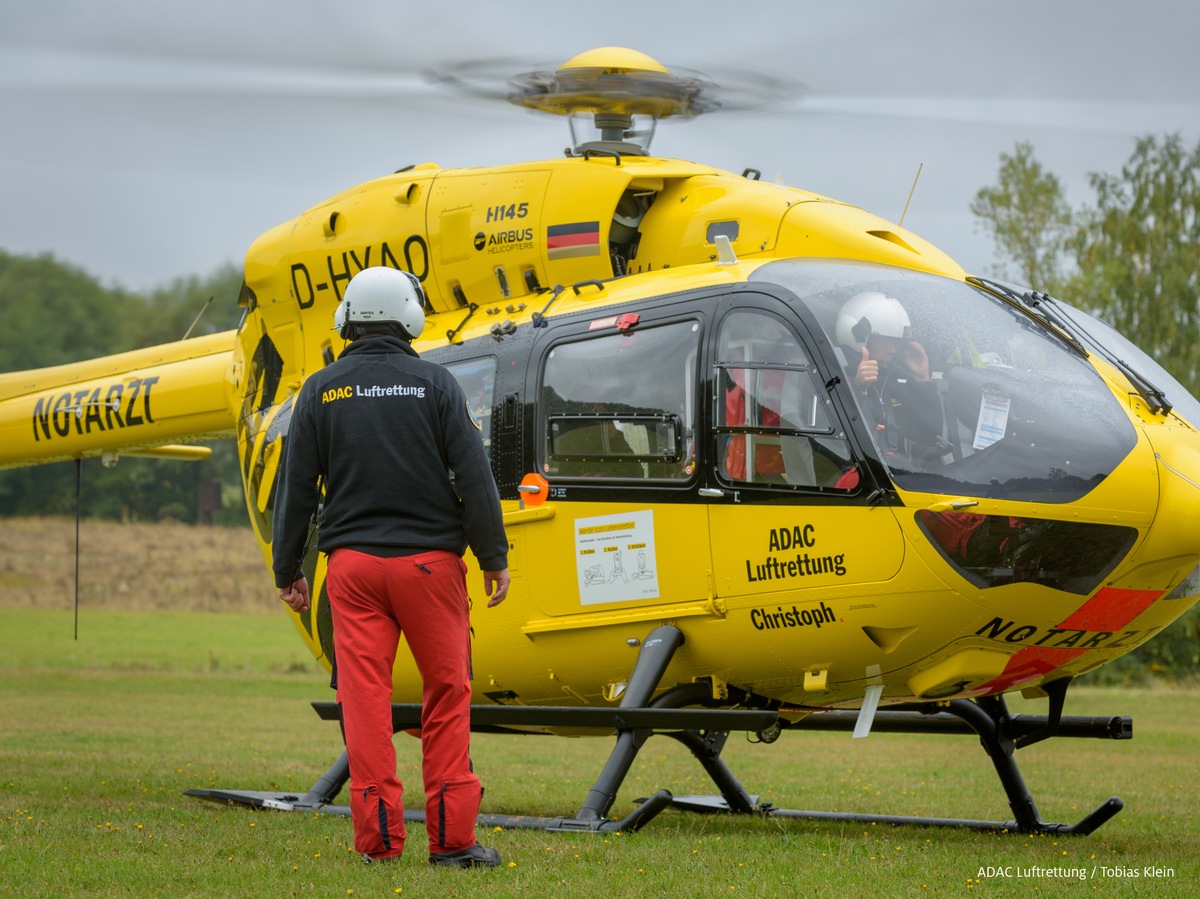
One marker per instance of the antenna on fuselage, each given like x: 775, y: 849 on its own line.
x: 196, y: 320
x: 911, y: 191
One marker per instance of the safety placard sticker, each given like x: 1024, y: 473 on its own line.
x: 615, y: 558
x: 993, y: 421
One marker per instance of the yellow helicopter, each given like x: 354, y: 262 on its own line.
x: 768, y: 461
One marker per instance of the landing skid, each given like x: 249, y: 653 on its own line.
x: 999, y: 733
x: 705, y: 731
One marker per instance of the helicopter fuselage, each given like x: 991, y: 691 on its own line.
x: 652, y: 348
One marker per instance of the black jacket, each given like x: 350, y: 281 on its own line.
x: 386, y: 428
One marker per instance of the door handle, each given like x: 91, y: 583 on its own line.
x: 953, y: 505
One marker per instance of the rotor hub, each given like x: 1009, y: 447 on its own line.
x: 619, y: 93
x: 612, y: 81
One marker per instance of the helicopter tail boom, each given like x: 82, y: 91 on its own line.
x: 134, y: 403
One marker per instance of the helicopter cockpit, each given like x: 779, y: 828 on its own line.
x: 982, y: 411
x: 972, y: 398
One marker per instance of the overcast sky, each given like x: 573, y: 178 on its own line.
x: 149, y: 139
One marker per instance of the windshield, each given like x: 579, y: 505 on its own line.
x: 961, y: 393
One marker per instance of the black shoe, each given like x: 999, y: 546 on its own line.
x: 475, y: 857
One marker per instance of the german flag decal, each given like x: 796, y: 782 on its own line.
x: 578, y: 239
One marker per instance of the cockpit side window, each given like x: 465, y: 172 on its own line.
x: 621, y: 405
x: 772, y: 422
x: 477, y: 378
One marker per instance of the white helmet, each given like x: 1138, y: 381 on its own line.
x: 381, y: 295
x: 870, y: 313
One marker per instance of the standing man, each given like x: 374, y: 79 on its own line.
x: 386, y: 431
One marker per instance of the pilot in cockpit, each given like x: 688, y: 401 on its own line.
x: 890, y: 374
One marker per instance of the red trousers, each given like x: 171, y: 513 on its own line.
x: 374, y: 600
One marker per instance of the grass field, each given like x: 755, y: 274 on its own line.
x: 101, y: 736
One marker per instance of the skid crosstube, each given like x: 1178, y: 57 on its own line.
x: 704, y: 732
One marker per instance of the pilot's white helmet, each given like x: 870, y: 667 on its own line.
x: 382, y: 295
x: 870, y: 313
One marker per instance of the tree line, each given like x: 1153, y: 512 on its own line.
x: 54, y: 313
x: 1132, y: 257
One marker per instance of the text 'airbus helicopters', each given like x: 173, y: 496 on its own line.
x: 768, y: 461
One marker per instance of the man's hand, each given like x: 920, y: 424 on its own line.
x: 868, y: 371
x: 916, y: 360
x: 296, y: 596
x: 495, y: 585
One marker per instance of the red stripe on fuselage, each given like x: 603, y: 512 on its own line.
x: 1111, y: 609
